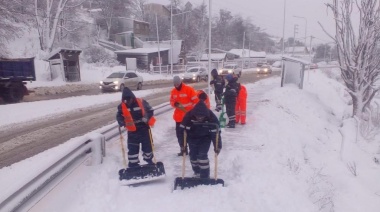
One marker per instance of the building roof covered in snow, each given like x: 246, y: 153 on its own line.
x: 177, y: 47
x: 214, y: 56
x: 297, y: 49
x: 247, y: 53
x: 141, y: 51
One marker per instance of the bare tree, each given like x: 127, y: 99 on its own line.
x: 358, y: 50
x: 48, y: 13
x: 137, y: 9
x: 111, y: 9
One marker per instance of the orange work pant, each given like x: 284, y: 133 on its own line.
x: 241, y: 110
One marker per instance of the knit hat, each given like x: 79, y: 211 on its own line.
x: 176, y: 80
x: 229, y: 77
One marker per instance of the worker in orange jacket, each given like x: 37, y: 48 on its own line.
x: 183, y: 98
x: 241, y: 105
x: 136, y: 115
x: 204, y: 97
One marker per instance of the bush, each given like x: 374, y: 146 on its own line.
x: 97, y: 54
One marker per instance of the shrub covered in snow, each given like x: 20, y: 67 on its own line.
x: 97, y: 54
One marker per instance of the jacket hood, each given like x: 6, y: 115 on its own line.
x: 127, y: 94
x: 200, y: 109
x: 214, y: 72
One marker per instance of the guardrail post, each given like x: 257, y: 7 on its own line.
x: 97, y: 148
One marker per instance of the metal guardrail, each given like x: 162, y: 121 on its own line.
x: 95, y: 145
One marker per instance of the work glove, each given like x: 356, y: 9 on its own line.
x: 217, y: 150
x: 144, y: 119
x: 176, y: 104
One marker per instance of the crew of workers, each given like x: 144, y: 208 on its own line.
x: 192, y: 115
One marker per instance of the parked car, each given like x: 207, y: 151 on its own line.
x: 312, y: 66
x: 277, y: 66
x: 264, y: 69
x: 230, y: 69
x: 118, y: 80
x: 195, y: 74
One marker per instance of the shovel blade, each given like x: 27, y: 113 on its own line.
x: 189, y: 182
x: 142, y: 172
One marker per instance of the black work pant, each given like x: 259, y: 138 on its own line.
x: 135, y: 138
x: 199, y: 148
x: 218, y: 100
x: 230, y: 109
x: 177, y: 130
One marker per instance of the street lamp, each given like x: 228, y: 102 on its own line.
x: 171, y: 34
x: 305, y: 29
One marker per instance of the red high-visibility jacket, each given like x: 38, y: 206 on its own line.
x: 241, y: 105
x: 186, y: 97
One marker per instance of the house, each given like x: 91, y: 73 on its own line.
x: 144, y: 56
x: 177, y: 49
x: 159, y: 9
x: 128, y: 29
x: 64, y: 62
x: 219, y: 57
x: 246, y: 53
x: 296, y: 50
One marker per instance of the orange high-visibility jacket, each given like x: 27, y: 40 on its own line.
x: 129, y: 123
x: 207, y: 101
x: 186, y: 97
x: 241, y: 105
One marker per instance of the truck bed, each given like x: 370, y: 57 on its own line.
x: 21, y: 69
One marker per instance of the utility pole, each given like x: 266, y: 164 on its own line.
x: 158, y: 45
x: 209, y: 48
x: 283, y: 41
x: 294, y: 37
x: 243, y: 53
x: 171, y: 37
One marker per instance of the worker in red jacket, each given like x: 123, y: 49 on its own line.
x: 183, y: 98
x: 241, y: 105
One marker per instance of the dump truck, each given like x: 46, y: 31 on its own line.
x: 14, y: 75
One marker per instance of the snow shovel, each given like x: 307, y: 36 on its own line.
x: 222, y: 119
x: 141, y: 173
x: 188, y: 182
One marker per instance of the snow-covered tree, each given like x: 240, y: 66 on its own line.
x: 358, y: 49
x: 136, y: 8
x: 48, y: 15
x: 11, y: 15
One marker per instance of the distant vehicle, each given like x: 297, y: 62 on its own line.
x: 277, y: 66
x: 231, y: 69
x: 312, y: 66
x: 118, y: 80
x: 264, y: 69
x: 13, y: 76
x: 195, y: 74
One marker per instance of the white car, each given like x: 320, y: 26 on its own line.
x: 195, y: 74
x: 230, y: 69
x: 118, y: 80
x: 277, y: 66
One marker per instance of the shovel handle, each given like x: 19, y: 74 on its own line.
x: 122, y: 148
x: 216, y: 154
x: 151, y: 143
x: 184, y: 154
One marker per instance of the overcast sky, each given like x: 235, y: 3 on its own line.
x: 268, y: 14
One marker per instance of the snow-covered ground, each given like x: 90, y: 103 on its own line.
x: 290, y: 156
